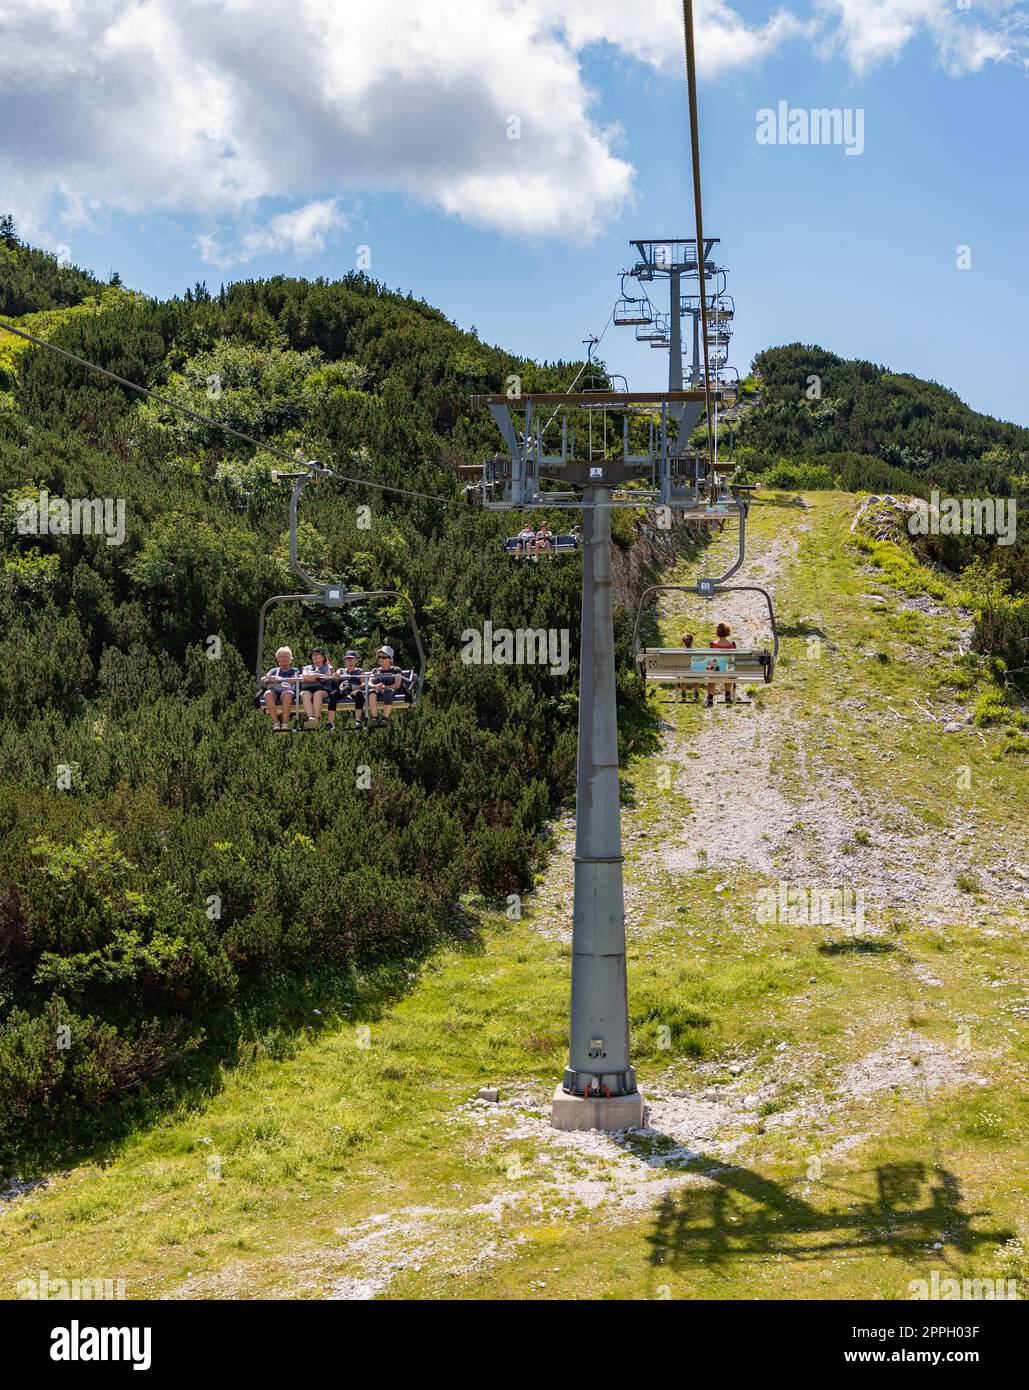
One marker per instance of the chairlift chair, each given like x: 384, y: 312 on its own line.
x: 562, y: 545
x: 722, y: 310
x: 333, y: 595
x: 696, y: 666
x: 632, y: 312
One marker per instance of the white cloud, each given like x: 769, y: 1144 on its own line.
x: 210, y: 107
x: 655, y: 35
x: 870, y: 32
x: 221, y: 108
x: 302, y: 231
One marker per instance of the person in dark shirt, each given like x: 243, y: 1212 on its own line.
x: 351, y: 687
x: 385, y: 684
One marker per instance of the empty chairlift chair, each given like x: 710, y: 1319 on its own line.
x: 632, y: 311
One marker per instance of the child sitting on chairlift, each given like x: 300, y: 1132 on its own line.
x: 687, y: 642
x: 351, y: 687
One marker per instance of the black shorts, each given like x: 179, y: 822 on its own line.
x: 345, y: 696
x: 387, y: 696
x: 316, y: 685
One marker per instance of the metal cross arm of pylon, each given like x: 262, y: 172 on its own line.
x: 557, y: 444
x: 665, y: 255
x: 586, y: 398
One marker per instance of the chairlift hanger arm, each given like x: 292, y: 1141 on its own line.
x: 717, y: 588
x: 301, y: 481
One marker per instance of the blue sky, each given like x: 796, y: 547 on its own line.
x: 524, y: 239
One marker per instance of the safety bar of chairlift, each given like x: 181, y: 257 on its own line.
x: 348, y: 597
x: 710, y: 589
x: 625, y: 316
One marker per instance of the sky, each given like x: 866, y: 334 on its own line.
x: 495, y: 157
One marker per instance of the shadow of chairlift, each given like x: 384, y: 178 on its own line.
x: 331, y: 595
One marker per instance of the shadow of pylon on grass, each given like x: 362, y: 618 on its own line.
x: 914, y: 1207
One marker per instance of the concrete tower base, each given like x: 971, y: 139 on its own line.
x: 600, y: 1112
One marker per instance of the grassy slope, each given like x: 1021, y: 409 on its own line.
x: 358, y: 1166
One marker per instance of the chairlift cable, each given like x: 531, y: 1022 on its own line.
x: 217, y: 424
x: 691, y: 93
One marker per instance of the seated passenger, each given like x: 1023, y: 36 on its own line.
x: 545, y: 541
x: 315, y: 684
x: 687, y: 641
x: 385, y: 684
x: 280, y: 688
x: 722, y: 639
x: 525, y: 542
x: 351, y: 680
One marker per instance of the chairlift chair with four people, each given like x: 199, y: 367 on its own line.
x: 336, y: 596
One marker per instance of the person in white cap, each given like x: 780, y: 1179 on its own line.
x: 385, y: 683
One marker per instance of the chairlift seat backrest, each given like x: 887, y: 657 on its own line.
x: 701, y: 665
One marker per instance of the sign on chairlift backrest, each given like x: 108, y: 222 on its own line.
x: 672, y: 660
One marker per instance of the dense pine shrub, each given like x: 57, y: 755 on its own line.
x: 165, y: 857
